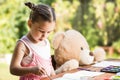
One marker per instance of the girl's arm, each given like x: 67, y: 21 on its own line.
x: 15, y: 66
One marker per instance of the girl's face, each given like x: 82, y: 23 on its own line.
x: 40, y: 30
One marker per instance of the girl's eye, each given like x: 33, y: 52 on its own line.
x: 41, y: 31
x: 44, y: 31
x: 49, y: 32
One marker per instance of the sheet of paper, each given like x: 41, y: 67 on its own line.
x: 80, y: 75
x: 106, y: 63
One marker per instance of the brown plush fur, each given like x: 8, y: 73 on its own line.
x: 99, y: 54
x: 71, y: 45
x: 68, y: 45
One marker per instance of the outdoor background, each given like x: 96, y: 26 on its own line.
x: 97, y: 20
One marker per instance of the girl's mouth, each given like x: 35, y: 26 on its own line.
x: 40, y: 39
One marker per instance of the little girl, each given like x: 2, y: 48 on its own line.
x: 31, y: 59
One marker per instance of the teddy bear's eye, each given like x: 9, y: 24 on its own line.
x: 81, y: 48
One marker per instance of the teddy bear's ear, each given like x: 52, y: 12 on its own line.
x: 57, y: 39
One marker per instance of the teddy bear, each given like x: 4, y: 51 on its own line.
x: 72, y: 50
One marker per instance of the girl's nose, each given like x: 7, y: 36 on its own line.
x: 45, y: 34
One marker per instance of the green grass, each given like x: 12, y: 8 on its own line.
x: 5, y: 74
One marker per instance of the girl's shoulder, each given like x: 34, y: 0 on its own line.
x: 20, y: 42
x: 20, y: 46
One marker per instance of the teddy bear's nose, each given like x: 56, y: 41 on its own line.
x: 91, y: 53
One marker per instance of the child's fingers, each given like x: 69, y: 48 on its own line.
x: 40, y: 72
x: 43, y: 70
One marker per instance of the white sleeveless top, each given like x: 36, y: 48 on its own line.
x: 39, y: 48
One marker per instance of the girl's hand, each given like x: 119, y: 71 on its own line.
x: 38, y: 70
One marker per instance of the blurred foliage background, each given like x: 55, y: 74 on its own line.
x: 97, y: 20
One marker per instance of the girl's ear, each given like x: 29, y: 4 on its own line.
x: 29, y: 23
